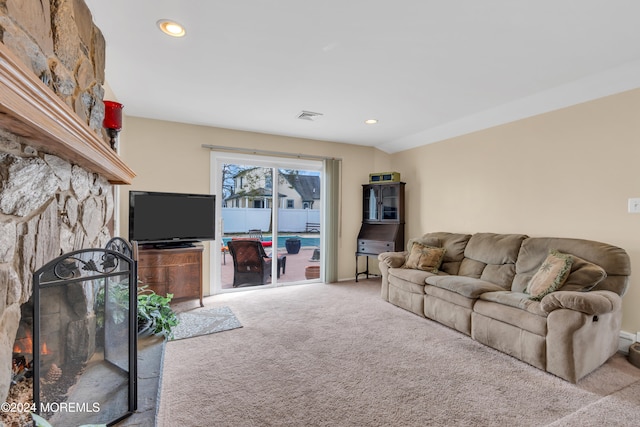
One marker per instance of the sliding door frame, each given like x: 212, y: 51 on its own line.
x: 218, y: 158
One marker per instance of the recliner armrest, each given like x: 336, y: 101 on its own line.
x: 591, y: 303
x: 393, y: 259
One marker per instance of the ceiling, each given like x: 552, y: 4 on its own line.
x: 426, y: 69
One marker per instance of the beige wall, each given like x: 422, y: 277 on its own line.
x: 566, y: 173
x: 168, y: 156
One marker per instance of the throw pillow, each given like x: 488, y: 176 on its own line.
x: 551, y: 275
x: 584, y: 275
x: 425, y: 241
x: 427, y: 258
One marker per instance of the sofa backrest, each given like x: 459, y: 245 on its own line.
x: 612, y: 259
x: 492, y: 257
x: 454, y: 243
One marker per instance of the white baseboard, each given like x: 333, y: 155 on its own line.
x: 626, y: 339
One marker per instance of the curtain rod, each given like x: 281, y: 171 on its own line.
x: 269, y: 153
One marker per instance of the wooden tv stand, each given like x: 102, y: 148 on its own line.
x: 176, y: 271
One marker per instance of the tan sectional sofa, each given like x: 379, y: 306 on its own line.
x: 480, y: 289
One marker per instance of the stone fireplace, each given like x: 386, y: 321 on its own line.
x: 57, y: 171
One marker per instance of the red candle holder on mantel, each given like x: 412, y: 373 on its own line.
x: 112, y: 120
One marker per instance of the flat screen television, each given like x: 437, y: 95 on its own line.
x: 171, y: 219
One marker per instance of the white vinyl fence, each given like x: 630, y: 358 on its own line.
x: 241, y: 220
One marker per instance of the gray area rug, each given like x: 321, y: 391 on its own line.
x: 204, y: 321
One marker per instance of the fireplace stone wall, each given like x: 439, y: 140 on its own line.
x: 48, y: 205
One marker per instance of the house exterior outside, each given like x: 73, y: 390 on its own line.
x: 306, y: 189
x: 249, y: 205
x: 253, y: 188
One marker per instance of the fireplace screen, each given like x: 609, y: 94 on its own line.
x: 84, y: 325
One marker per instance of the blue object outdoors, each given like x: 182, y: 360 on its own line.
x: 305, y: 241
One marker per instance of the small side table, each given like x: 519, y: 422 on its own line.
x: 282, y: 264
x: 366, y: 271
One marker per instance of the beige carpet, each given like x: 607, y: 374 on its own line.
x: 338, y: 355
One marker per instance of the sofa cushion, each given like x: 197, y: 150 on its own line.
x: 454, y: 243
x: 471, y: 268
x: 446, y: 295
x: 584, y: 275
x: 393, y: 259
x: 409, y: 279
x: 492, y: 248
x: 515, y: 299
x: 500, y: 251
x: 427, y: 258
x: 502, y: 275
x: 591, y: 303
x: 513, y: 316
x: 425, y: 240
x: 451, y: 267
x: 614, y: 260
x: 550, y: 276
x: 466, y: 286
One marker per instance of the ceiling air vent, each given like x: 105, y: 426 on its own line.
x: 309, y: 115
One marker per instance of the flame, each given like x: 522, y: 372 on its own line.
x: 17, y: 348
x: 25, y: 345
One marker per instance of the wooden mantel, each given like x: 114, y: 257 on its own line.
x: 29, y: 109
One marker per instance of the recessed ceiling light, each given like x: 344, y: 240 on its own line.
x: 171, y: 28
x: 371, y: 121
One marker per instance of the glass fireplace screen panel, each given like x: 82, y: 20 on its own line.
x: 86, y: 334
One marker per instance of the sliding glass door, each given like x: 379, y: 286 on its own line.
x: 270, y: 221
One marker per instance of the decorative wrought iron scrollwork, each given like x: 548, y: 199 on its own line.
x: 114, y: 260
x: 70, y: 267
x: 109, y: 261
x: 66, y: 269
x: 118, y: 244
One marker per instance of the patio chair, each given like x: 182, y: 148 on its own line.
x: 251, y: 265
x: 256, y: 233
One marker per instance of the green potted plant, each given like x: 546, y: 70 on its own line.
x: 118, y: 300
x: 154, y: 313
